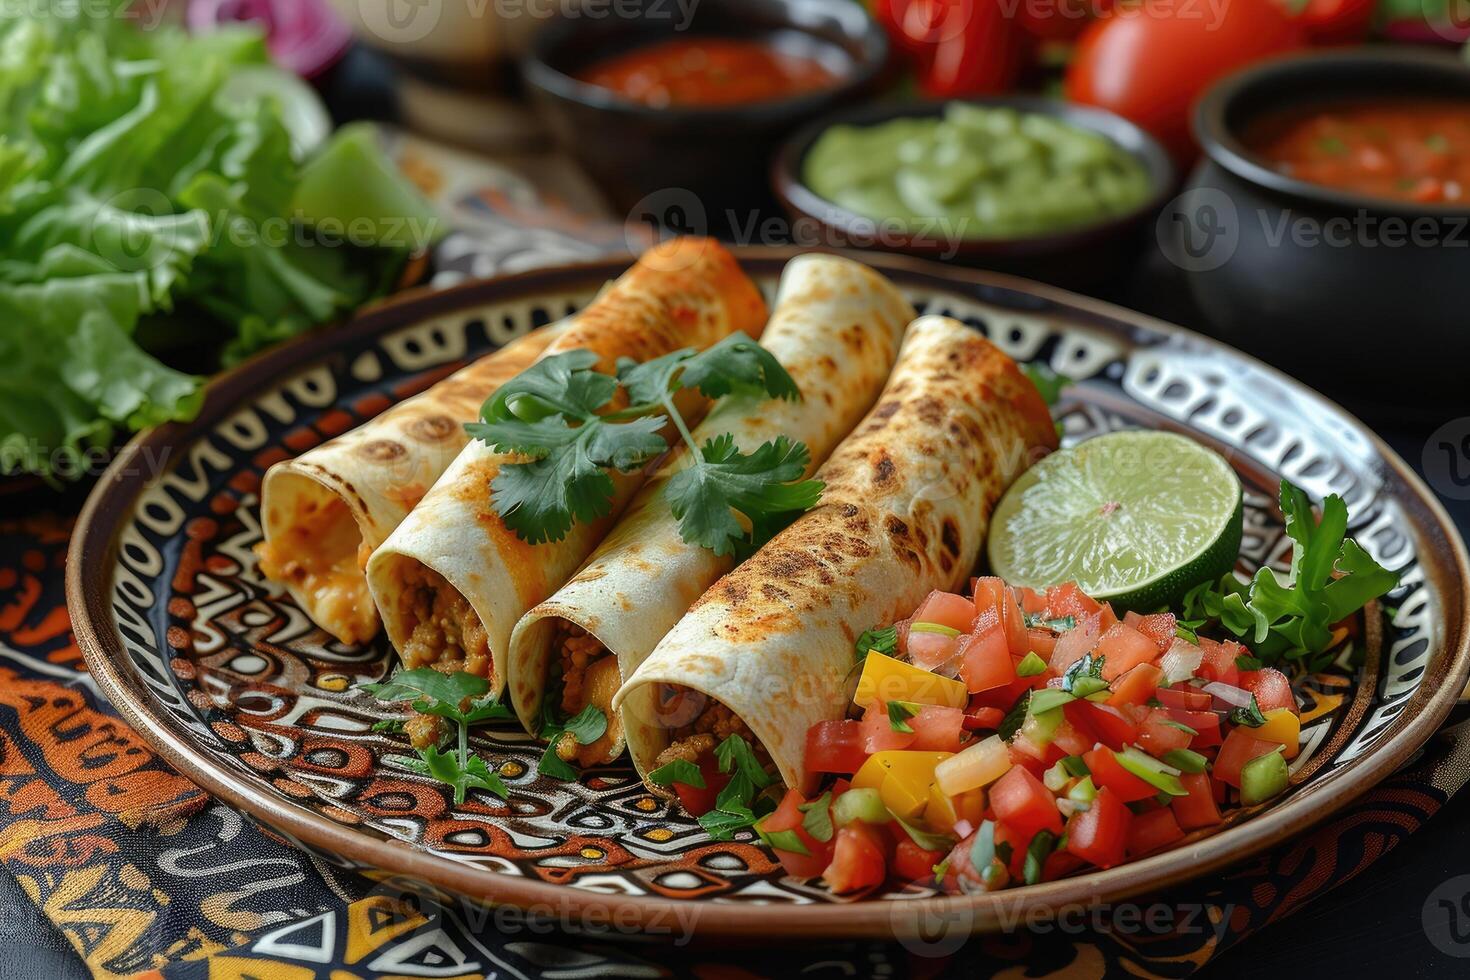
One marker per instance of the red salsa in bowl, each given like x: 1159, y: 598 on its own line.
x: 1402, y: 150
x: 708, y: 72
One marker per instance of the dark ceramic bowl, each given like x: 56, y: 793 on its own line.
x: 1314, y: 279
x: 1082, y: 256
x: 672, y: 162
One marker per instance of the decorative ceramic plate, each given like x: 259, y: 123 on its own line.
x: 236, y: 687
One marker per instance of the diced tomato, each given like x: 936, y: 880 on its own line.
x: 1206, y: 723
x: 1059, y: 864
x: 788, y: 817
x: 698, y: 802
x: 1069, y: 739
x: 1218, y: 663
x: 878, y: 732
x: 1099, y: 834
x: 984, y: 719
x: 1271, y: 688
x: 1030, y: 757
x: 835, y: 746
x: 1069, y: 600
x: 1153, y: 831
x: 1006, y: 835
x: 1106, y: 618
x: 858, y: 860
x: 1003, y: 698
x: 1137, y: 686
x: 1198, y: 809
x: 929, y: 650
x: 1107, y: 772
x: 1073, y: 644
x: 946, y: 609
x: 937, y: 729
x: 985, y: 661
x: 1031, y: 601
x: 1160, y: 734
x: 1124, y: 648
x: 1183, y: 696
x: 913, y: 863
x: 1158, y: 627
x: 990, y: 593
x: 1105, y: 723
x: 1024, y: 804
x: 1042, y: 642
x: 1238, y: 749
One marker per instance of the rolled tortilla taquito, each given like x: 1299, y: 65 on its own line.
x: 768, y: 650
x: 452, y: 581
x: 836, y: 330
x: 325, y: 511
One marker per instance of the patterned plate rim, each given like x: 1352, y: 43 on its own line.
x: 88, y: 585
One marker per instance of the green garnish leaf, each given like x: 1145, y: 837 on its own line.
x: 1250, y: 717
x: 1049, y: 383
x: 588, y: 725
x: 818, y: 819
x: 884, y: 641
x: 463, y: 775
x: 925, y: 839
x: 1015, y: 718
x: 765, y: 486
x: 784, y: 840
x: 1059, y: 624
x: 1076, y: 766
x: 1036, y: 854
x: 1248, y: 663
x: 735, y: 755
x: 679, y: 771
x: 1085, y: 676
x: 1048, y: 699
x: 555, y: 766
x: 735, y: 365
x: 1031, y: 665
x: 722, y: 824
x: 899, y: 713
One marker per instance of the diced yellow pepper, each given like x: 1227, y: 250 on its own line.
x: 901, y: 778
x: 1282, y: 727
x: 887, y: 679
x: 943, y: 812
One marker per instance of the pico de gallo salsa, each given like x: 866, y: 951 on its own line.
x: 1014, y: 736
x: 710, y: 72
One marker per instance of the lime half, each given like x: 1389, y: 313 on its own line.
x: 1135, y: 518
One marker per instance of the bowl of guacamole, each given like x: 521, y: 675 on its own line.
x: 1029, y: 185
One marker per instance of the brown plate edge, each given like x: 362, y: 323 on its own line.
x: 86, y: 591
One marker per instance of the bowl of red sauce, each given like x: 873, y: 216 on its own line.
x: 1327, y: 228
x: 676, y: 112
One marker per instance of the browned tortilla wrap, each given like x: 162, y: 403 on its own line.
x: 908, y: 502
x: 836, y: 330
x: 452, y: 580
x: 326, y: 510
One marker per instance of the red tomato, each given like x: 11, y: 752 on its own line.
x: 980, y: 49
x: 1152, y: 65
x: 929, y: 650
x: 857, y: 859
x: 946, y: 609
x: 1007, y: 835
x: 1106, y: 772
x: 1238, y: 749
x: 835, y: 746
x: 1160, y: 628
x: 1158, y: 737
x: 1073, y: 644
x: 1337, y: 21
x: 1031, y: 600
x: 913, y: 863
x: 1003, y: 698
x: 788, y: 817
x: 1183, y: 696
x: 1137, y: 686
x: 1024, y: 804
x: 1271, y: 688
x: 1068, y: 599
x: 1206, y: 723
x: 1018, y: 638
x: 1060, y: 20
x: 1153, y: 831
x: 1059, y: 864
x: 1105, y: 723
x: 1124, y: 648
x: 1198, y: 809
x: 698, y: 802
x: 985, y: 661
x: 1100, y: 833
x: 1042, y: 642
x: 984, y: 719
x: 1070, y: 740
x: 1218, y: 663
x: 878, y: 732
x: 937, y: 729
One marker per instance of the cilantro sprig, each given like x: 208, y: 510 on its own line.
x: 1331, y: 578
x: 741, y: 803
x: 560, y: 414
x: 461, y: 698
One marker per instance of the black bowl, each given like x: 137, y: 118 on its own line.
x: 664, y: 164
x: 1082, y: 256
x: 1341, y: 289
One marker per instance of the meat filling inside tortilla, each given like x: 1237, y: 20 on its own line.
x: 322, y: 554
x: 697, y: 723
x: 443, y: 630
x: 589, y: 676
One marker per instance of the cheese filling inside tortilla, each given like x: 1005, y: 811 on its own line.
x: 322, y: 554
x: 443, y: 630
x: 589, y: 676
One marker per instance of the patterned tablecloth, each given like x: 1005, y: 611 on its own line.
x: 143, y: 874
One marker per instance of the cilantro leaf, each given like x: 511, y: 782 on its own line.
x: 883, y: 641
x: 723, y: 481
x: 1085, y: 677
x: 1015, y: 718
x: 588, y: 725
x: 562, y: 384
x: 722, y: 824
x: 818, y: 819
x: 899, y: 713
x: 463, y: 775
x: 554, y: 765
x: 1250, y: 717
x: 734, y: 754
x: 738, y: 364
x: 679, y: 771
